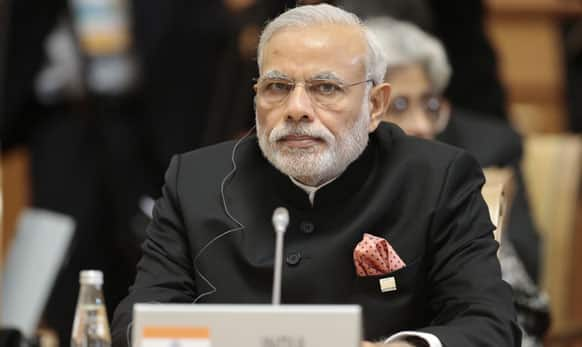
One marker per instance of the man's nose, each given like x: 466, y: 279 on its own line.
x: 299, y: 104
x: 420, y: 125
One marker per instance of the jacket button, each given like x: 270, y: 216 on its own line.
x: 293, y: 258
x: 307, y: 227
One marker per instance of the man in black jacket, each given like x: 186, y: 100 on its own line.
x: 320, y: 152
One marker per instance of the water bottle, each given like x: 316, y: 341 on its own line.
x: 90, y: 328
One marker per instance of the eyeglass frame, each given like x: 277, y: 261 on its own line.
x: 439, y: 122
x: 306, y: 85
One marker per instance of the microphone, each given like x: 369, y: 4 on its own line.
x: 280, y: 223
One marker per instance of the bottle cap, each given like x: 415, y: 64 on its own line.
x: 91, y: 277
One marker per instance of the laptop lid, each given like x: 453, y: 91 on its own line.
x: 188, y: 325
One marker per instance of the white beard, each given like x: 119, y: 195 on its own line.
x: 315, y: 165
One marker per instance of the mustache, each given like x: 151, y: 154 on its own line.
x: 289, y: 129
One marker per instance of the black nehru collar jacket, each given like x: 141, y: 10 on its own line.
x: 422, y: 197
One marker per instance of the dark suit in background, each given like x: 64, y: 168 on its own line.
x: 423, y: 198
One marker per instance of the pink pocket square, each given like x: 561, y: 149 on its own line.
x: 375, y: 256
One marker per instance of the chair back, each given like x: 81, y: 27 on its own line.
x: 552, y: 167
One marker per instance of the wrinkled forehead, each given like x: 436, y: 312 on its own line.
x: 304, y: 52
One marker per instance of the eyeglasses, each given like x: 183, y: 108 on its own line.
x: 323, y: 92
x: 432, y: 106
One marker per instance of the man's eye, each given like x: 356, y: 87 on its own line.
x: 326, y: 88
x: 277, y: 87
x: 399, y: 105
x: 433, y: 104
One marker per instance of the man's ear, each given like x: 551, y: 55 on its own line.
x: 379, y: 101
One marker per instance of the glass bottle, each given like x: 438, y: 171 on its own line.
x: 90, y: 328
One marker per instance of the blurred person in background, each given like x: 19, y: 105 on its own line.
x: 69, y: 99
x: 419, y: 72
x: 101, y: 118
x: 474, y: 83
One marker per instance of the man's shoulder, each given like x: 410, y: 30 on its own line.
x: 199, y: 173
x: 402, y: 146
x: 216, y: 156
x: 419, y: 160
x: 218, y: 149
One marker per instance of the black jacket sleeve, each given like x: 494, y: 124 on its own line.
x: 469, y: 302
x: 164, y: 273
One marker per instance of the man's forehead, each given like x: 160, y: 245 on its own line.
x: 350, y: 35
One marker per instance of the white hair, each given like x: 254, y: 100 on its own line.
x: 405, y: 44
x: 311, y: 15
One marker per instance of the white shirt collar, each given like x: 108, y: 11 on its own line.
x: 310, y: 190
